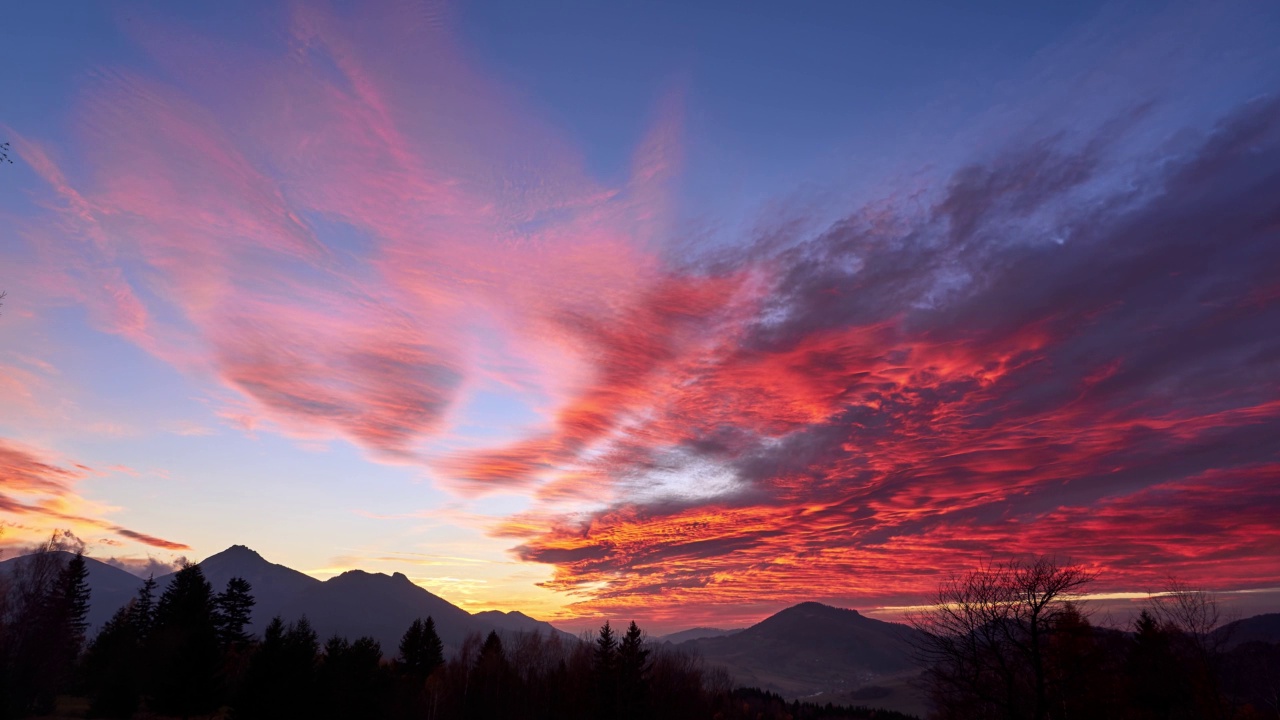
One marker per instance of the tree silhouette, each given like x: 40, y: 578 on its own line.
x: 987, y: 633
x: 282, y: 673
x: 606, y: 653
x: 633, y: 668
x: 143, y: 614
x: 421, y: 651
x: 68, y: 611
x: 605, y: 666
x: 111, y: 665
x: 492, y: 683
x: 183, y: 645
x: 351, y: 681
x: 234, y: 612
x: 114, y: 662
x: 1156, y: 685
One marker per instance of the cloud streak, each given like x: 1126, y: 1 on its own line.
x: 38, y: 496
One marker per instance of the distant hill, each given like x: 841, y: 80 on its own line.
x: 515, y: 621
x: 813, y: 648
x: 1259, y: 628
x: 696, y: 633
x: 109, y: 587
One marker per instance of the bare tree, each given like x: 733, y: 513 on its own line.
x: 986, y: 635
x: 1190, y: 616
x: 1188, y: 610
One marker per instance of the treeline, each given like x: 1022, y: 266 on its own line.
x: 186, y: 653
x: 1008, y: 641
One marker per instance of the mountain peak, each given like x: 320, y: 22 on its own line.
x: 817, y: 607
x: 364, y: 576
x: 240, y: 552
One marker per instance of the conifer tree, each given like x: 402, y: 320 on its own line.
x: 234, y: 612
x: 282, y: 674
x: 111, y: 666
x: 143, y: 613
x: 606, y: 653
x: 432, y: 648
x: 72, y: 598
x: 633, y: 665
x: 491, y: 681
x: 411, y: 648
x: 421, y: 651
x: 183, y: 645
x: 605, y: 666
x: 64, y: 621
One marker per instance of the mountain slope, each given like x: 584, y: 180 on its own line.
x: 811, y: 648
x: 109, y: 587
x: 1260, y: 628
x: 381, y: 606
x: 517, y: 622
x: 696, y: 633
x: 274, y: 586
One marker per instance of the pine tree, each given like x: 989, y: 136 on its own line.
x: 65, y: 620
x: 421, y: 651
x: 111, y: 666
x: 411, y: 649
x: 605, y: 666
x: 632, y: 655
x: 183, y: 645
x: 490, y: 682
x: 432, y: 648
x: 633, y: 666
x: 234, y: 612
x: 73, y: 599
x: 281, y: 680
x: 143, y: 614
x: 606, y: 653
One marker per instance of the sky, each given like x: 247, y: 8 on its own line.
x: 681, y: 312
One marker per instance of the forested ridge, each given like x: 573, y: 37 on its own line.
x: 182, y: 651
x: 1004, y: 641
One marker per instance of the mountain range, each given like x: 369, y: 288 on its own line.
x: 809, y: 650
x: 352, y: 604
x: 805, y: 650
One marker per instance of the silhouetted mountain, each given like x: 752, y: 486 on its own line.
x: 381, y: 606
x: 696, y: 633
x: 1259, y: 628
x: 274, y: 586
x: 109, y: 587
x: 812, y: 648
x: 515, y: 621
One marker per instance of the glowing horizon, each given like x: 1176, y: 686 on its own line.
x: 594, y: 327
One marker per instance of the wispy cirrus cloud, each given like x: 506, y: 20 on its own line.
x: 1066, y: 343
x: 344, y: 260
x: 38, y: 496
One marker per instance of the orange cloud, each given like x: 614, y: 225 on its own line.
x: 38, y: 496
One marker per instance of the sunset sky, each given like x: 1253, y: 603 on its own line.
x: 677, y: 311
